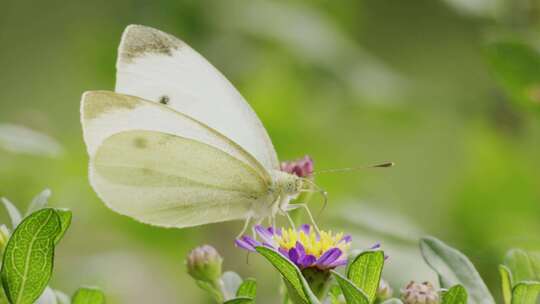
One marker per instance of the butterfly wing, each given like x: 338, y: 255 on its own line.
x: 161, y: 68
x: 183, y: 183
x: 171, y: 181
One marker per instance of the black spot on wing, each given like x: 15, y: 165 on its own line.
x: 164, y: 99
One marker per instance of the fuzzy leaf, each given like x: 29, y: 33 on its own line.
x: 29, y: 256
x: 506, y: 284
x: 393, y: 301
x: 39, y: 201
x: 352, y: 294
x: 455, y: 295
x: 13, y: 212
x: 520, y: 265
x: 525, y: 293
x: 365, y: 272
x: 247, y: 289
x: 88, y: 295
x: 292, y: 276
x: 454, y: 268
x: 517, y: 68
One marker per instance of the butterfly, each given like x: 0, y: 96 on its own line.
x: 176, y: 145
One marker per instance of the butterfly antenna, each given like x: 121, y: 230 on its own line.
x: 379, y: 165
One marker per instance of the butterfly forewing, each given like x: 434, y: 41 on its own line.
x: 161, y: 68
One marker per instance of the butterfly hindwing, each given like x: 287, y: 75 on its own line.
x: 171, y: 181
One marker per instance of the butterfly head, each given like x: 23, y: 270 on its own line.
x: 288, y: 184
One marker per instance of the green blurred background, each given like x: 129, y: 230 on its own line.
x: 349, y: 83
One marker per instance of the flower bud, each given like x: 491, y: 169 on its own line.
x: 384, y: 291
x: 301, y: 167
x: 204, y: 264
x: 419, y: 293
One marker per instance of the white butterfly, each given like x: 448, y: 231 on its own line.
x: 177, y: 145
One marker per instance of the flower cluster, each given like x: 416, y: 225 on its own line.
x: 301, y: 167
x: 304, y: 247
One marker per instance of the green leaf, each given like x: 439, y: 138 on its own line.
x: 13, y: 212
x: 247, y: 289
x: 520, y: 265
x: 65, y: 221
x: 506, y: 284
x: 455, y: 295
x: 352, y: 294
x: 393, y: 301
x: 454, y: 268
x: 243, y: 300
x: 29, y: 256
x: 298, y: 287
x: 88, y: 295
x: 39, y: 201
x: 525, y: 293
x: 517, y: 68
x: 365, y: 272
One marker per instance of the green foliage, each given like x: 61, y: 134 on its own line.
x: 240, y: 300
x: 506, y: 284
x: 519, y: 277
x: 296, y: 284
x: 247, y: 289
x: 454, y: 268
x: 365, y: 272
x: 88, y: 295
x: 521, y: 265
x: 29, y: 256
x: 517, y: 67
x: 525, y: 293
x: 455, y: 295
x: 245, y: 293
x: 352, y: 294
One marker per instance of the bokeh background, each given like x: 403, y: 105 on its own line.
x: 349, y: 83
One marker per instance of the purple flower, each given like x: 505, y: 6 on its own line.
x: 301, y: 167
x: 304, y: 247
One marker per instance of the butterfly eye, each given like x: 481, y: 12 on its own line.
x: 164, y: 99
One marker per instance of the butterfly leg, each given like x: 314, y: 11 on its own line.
x: 246, y: 225
x: 306, y: 208
x: 286, y: 214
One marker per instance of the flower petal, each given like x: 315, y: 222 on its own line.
x: 328, y: 257
x: 244, y: 245
x: 265, y: 234
x: 307, y: 261
x: 294, y: 255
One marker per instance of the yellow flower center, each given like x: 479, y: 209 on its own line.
x: 313, y: 244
